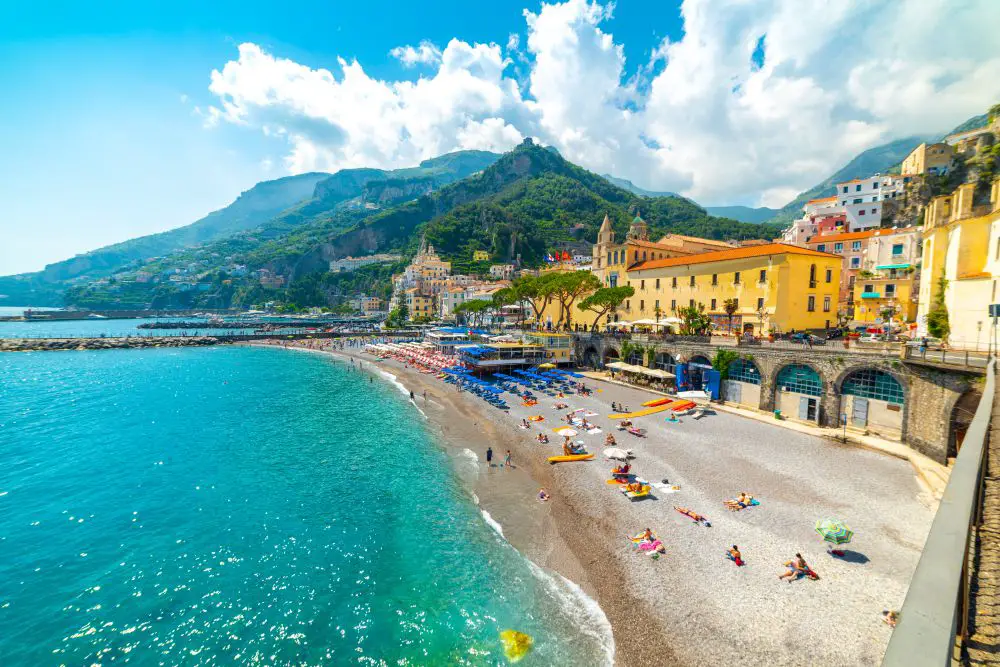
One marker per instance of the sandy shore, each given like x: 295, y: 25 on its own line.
x: 692, y: 606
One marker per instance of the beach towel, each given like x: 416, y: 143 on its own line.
x: 649, y: 546
x: 594, y: 431
x: 667, y: 488
x: 536, y: 418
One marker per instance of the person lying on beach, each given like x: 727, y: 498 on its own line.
x: 697, y: 518
x: 646, y: 535
x: 543, y: 495
x: 623, y: 469
x: 560, y: 406
x: 740, y: 502
x: 624, y: 424
x: 797, y: 568
x: 525, y: 424
x: 610, y: 441
x: 542, y: 438
x: 634, y: 487
x: 735, y: 555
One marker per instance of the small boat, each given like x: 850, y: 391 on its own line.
x: 571, y: 457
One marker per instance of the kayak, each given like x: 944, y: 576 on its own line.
x: 572, y: 457
x: 656, y: 402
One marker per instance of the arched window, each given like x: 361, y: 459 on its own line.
x: 666, y: 362
x: 644, y: 255
x: 875, y: 384
x: 744, y: 370
x: 636, y: 358
x: 800, y: 379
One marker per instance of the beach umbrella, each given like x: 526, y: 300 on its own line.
x: 565, y: 430
x: 546, y: 366
x: 616, y: 453
x: 834, y: 531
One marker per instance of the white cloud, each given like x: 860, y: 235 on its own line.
x: 425, y: 54
x: 698, y: 119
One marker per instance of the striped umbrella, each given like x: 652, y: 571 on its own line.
x: 834, y: 531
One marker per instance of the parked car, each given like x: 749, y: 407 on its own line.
x: 833, y: 334
x: 802, y: 337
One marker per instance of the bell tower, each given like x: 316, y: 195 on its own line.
x: 638, y: 230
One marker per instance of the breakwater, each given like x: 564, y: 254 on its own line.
x: 128, y: 342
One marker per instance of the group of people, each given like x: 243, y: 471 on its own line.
x: 618, y: 407
x: 508, y: 459
x: 740, y: 502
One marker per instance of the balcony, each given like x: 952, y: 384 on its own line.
x: 871, y: 295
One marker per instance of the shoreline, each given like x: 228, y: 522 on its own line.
x: 681, y: 609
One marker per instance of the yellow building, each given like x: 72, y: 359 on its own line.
x: 558, y: 346
x: 419, y: 305
x: 928, y: 159
x: 885, y: 298
x: 962, y: 246
x: 480, y: 256
x: 777, y: 287
x: 611, y: 260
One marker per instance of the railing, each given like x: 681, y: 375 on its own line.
x: 935, y: 613
x: 966, y: 358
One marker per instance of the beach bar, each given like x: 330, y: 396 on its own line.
x: 490, y: 357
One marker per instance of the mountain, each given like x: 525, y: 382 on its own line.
x: 626, y: 184
x: 879, y: 159
x: 526, y: 203
x: 743, y: 213
x: 973, y: 123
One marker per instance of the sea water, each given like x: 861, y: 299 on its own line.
x: 217, y: 506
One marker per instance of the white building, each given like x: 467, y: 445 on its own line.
x: 862, y: 199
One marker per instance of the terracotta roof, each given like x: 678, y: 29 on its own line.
x: 732, y: 253
x: 696, y: 239
x: 814, y: 201
x: 650, y: 244
x: 855, y: 236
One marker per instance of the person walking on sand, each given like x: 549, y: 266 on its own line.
x: 507, y: 460
x: 489, y: 456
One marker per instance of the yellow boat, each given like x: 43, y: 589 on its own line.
x: 635, y: 495
x: 639, y: 413
x: 571, y: 457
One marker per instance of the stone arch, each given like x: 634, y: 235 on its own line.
x: 745, y: 370
x: 960, y: 416
x: 591, y: 357
x: 770, y: 396
x: 665, y: 361
x: 884, y: 388
x: 611, y: 353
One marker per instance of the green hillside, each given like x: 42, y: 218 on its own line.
x: 743, y: 213
x: 524, y: 203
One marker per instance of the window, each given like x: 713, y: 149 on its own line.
x: 736, y: 278
x: 998, y: 248
x: 857, y: 201
x: 857, y: 188
x: 642, y: 284
x: 743, y: 370
x: 760, y: 304
x: 811, y: 307
x: 691, y: 303
x: 861, y: 212
x: 821, y: 247
x: 850, y: 282
x: 890, y: 291
x: 642, y: 304
x: 800, y: 379
x: 692, y: 281
x: 713, y: 304
x: 763, y: 276
x: 656, y: 305
x: 838, y: 247
x: 657, y: 283
x: 673, y: 304
x: 666, y: 362
x: 628, y: 305
x: 843, y: 203
x: 644, y: 255
x: 673, y: 282
x: 829, y: 275
x: 715, y: 276
x: 845, y: 189
x: 897, y: 248
x: 856, y: 246
x: 870, y: 383
x: 874, y: 199
x: 875, y: 186
x: 812, y: 276
x: 869, y: 288
x: 826, y: 304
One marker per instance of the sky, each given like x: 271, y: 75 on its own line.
x: 120, y: 119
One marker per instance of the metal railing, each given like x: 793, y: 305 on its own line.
x: 935, y: 613
x: 967, y: 358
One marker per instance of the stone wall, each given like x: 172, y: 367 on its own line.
x: 933, y: 389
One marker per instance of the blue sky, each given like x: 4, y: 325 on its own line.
x: 112, y: 125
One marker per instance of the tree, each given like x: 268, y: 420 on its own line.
x: 604, y: 301
x: 568, y: 287
x: 723, y: 360
x: 695, y: 321
x: 937, y: 318
x: 730, y: 306
x: 538, y: 291
x: 475, y: 310
x: 397, y: 316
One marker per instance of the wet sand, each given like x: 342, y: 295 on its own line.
x: 692, y: 606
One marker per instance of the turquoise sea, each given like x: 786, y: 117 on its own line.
x: 224, y: 506
x: 97, y: 327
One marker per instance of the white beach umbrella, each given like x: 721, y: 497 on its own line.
x: 616, y: 453
x: 566, y: 431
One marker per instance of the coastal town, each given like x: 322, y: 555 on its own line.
x: 568, y: 333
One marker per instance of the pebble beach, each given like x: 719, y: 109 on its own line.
x: 692, y: 605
